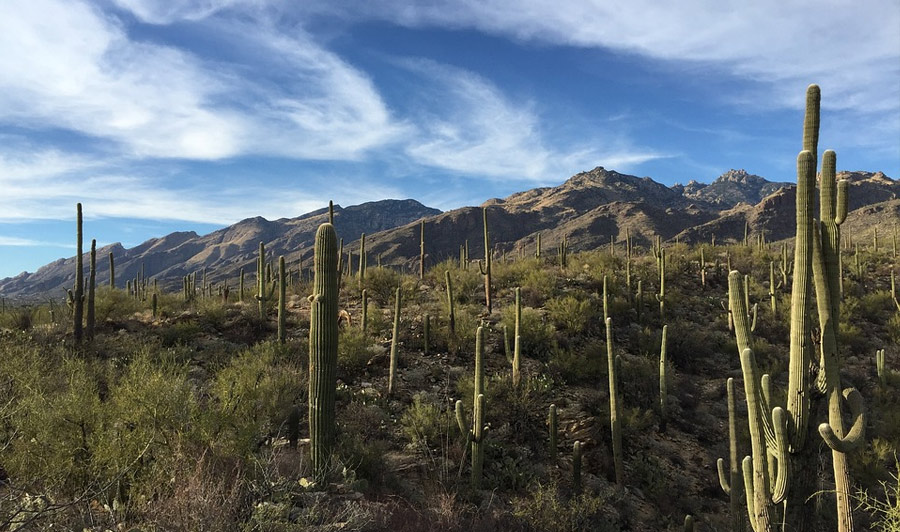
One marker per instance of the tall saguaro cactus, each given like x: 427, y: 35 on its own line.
x: 486, y: 265
x: 112, y: 271
x: 92, y: 286
x: 475, y: 435
x: 731, y: 484
x: 282, y: 299
x: 422, y: 250
x: 663, y: 382
x: 395, y: 341
x: 323, y: 344
x: 78, y: 294
x: 615, y: 408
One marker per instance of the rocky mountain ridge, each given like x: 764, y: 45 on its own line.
x: 589, y: 209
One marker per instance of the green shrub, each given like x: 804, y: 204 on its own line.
x: 354, y: 351
x: 252, y: 398
x: 585, y: 363
x: 570, y: 313
x: 424, y: 423
x: 537, y: 335
x: 545, y: 509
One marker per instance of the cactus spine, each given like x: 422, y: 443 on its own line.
x: 732, y: 483
x: 663, y: 382
x: 282, y: 297
x: 485, y: 266
x: 78, y: 293
x: 92, y: 284
x: 395, y: 340
x: 323, y: 343
x: 614, y: 407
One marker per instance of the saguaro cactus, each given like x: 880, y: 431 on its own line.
x: 282, y: 299
x: 731, y: 484
x: 112, y: 271
x: 323, y: 344
x: 78, y: 293
x: 475, y: 435
x: 485, y: 266
x: 553, y: 428
x: 451, y: 307
x: 879, y: 367
x: 92, y: 283
x: 422, y: 250
x: 576, y: 467
x: 663, y: 382
x: 262, y: 294
x: 362, y: 260
x: 395, y: 340
x: 517, y: 341
x: 615, y: 412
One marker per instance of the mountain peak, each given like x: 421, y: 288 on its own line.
x: 740, y: 176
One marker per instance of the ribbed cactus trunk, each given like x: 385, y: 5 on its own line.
x: 395, y: 342
x: 663, y: 382
x: 731, y: 484
x: 92, y: 285
x: 78, y: 294
x: 553, y: 428
x: 362, y: 261
x: 486, y: 266
x: 451, y: 306
x: 615, y: 408
x: 517, y: 341
x: 112, y: 271
x: 323, y: 344
x: 422, y: 250
x: 282, y: 298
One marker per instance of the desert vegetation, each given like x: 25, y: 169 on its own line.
x: 545, y: 389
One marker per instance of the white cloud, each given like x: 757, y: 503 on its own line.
x: 13, y: 241
x: 850, y: 48
x: 477, y: 130
x: 65, y: 64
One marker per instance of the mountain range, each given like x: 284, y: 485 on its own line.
x: 588, y: 210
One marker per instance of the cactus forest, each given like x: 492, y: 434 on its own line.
x: 647, y: 385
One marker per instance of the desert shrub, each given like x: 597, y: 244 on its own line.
x: 424, y: 423
x: 115, y: 304
x: 382, y: 284
x: 544, y: 509
x: 537, y: 284
x: 354, y: 351
x: 885, y: 508
x: 253, y: 397
x: 179, y: 333
x: 570, y: 313
x: 537, y: 335
x: 640, y: 382
x: 875, y: 306
x: 581, y: 363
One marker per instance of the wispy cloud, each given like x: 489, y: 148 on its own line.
x: 27, y: 242
x: 479, y: 131
x: 68, y: 65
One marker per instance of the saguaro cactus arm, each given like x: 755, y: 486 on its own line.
x: 857, y: 433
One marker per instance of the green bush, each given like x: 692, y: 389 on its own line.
x: 354, y: 351
x: 424, y: 423
x: 252, y: 398
x: 545, y: 509
x: 570, y: 313
x: 537, y: 335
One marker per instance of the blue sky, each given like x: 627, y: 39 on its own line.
x: 165, y: 115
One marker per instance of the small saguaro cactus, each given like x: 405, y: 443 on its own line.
x: 241, y: 291
x: 451, y: 307
x: 282, y: 299
x: 362, y: 260
x: 395, y: 340
x: 154, y: 302
x: 537, y: 246
x: 475, y: 435
x: 731, y: 484
x: 576, y: 467
x: 615, y: 408
x: 78, y: 292
x: 663, y: 382
x: 772, y: 288
x: 661, y: 296
x: 552, y: 428
x: 485, y: 266
x: 605, y: 299
x: 688, y: 523
x: 563, y: 252
x: 364, y: 311
x: 879, y: 367
x: 323, y: 344
x: 702, y: 267
x: 422, y: 250
x: 92, y: 285
x: 112, y: 271
x: 426, y: 334
x: 517, y: 340
x: 263, y: 293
